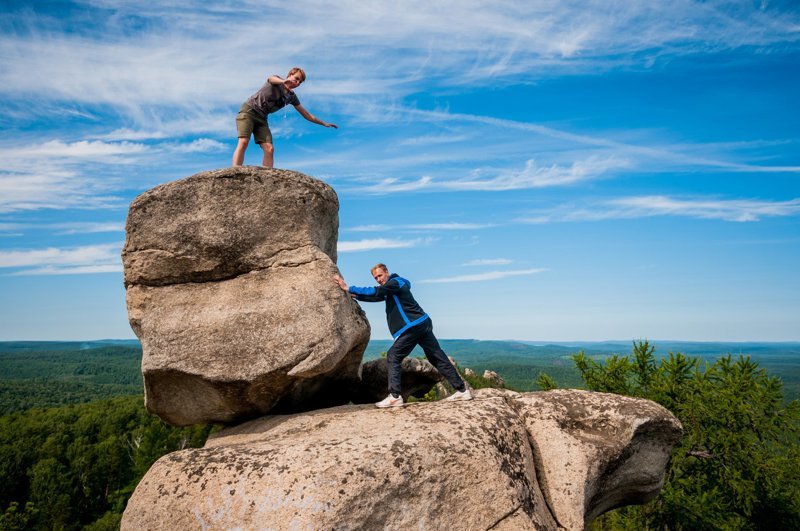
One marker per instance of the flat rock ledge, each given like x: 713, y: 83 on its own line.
x: 549, y: 460
x: 228, y: 277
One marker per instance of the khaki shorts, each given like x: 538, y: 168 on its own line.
x: 250, y: 122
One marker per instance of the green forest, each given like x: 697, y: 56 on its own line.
x: 31, y: 377
x: 75, y: 438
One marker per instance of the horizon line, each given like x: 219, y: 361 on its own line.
x: 535, y: 341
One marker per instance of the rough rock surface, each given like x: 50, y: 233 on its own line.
x: 229, y: 289
x: 219, y: 224
x: 417, y: 378
x: 441, y: 465
x: 597, y: 451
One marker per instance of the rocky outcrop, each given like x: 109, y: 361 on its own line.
x: 228, y: 276
x: 597, y: 451
x: 417, y: 377
x: 502, y: 461
x: 494, y: 378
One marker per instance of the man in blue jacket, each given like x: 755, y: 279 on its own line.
x: 410, y: 326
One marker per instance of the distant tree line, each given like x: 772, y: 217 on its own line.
x: 60, y: 377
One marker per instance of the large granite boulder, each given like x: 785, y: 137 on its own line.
x: 441, y: 465
x: 220, y: 224
x: 229, y: 289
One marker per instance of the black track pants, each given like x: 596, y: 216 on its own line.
x: 421, y: 335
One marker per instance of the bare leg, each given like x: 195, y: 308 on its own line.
x: 238, y: 155
x: 269, y: 154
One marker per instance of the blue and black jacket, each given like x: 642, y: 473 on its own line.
x: 402, y: 311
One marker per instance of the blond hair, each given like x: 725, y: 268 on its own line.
x: 379, y: 266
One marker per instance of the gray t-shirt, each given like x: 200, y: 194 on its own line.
x: 270, y: 98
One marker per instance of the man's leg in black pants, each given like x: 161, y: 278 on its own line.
x: 401, y: 348
x: 438, y: 358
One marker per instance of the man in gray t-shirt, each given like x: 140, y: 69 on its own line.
x: 252, y: 118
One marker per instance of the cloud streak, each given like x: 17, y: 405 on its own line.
x: 104, y: 258
x: 378, y: 243
x: 488, y: 261
x: 54, y: 189
x: 734, y: 210
x: 454, y: 226
x: 533, y: 176
x: 482, y: 277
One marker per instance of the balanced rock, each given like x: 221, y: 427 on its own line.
x: 439, y: 465
x: 229, y: 289
x: 417, y: 377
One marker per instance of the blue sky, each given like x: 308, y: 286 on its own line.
x: 572, y: 170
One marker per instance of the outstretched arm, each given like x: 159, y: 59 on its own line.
x: 361, y: 294
x: 311, y: 118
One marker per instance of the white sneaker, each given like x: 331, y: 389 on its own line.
x: 460, y: 396
x: 390, y: 401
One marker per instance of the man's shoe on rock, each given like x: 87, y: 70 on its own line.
x: 390, y: 401
x: 460, y: 396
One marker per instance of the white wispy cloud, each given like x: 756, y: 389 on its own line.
x: 422, y: 227
x: 84, y: 174
x: 198, y: 146
x: 427, y: 140
x: 488, y: 261
x: 728, y: 210
x: 84, y: 227
x: 162, y: 126
x: 69, y: 270
x: 481, y: 277
x: 54, y: 260
x: 676, y: 156
x: 533, y: 176
x: 379, y: 243
x: 449, y: 226
x: 54, y: 189
x: 20, y: 156
x: 76, y: 227
x: 369, y: 228
x: 399, y: 46
x: 393, y: 185
x: 736, y: 210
